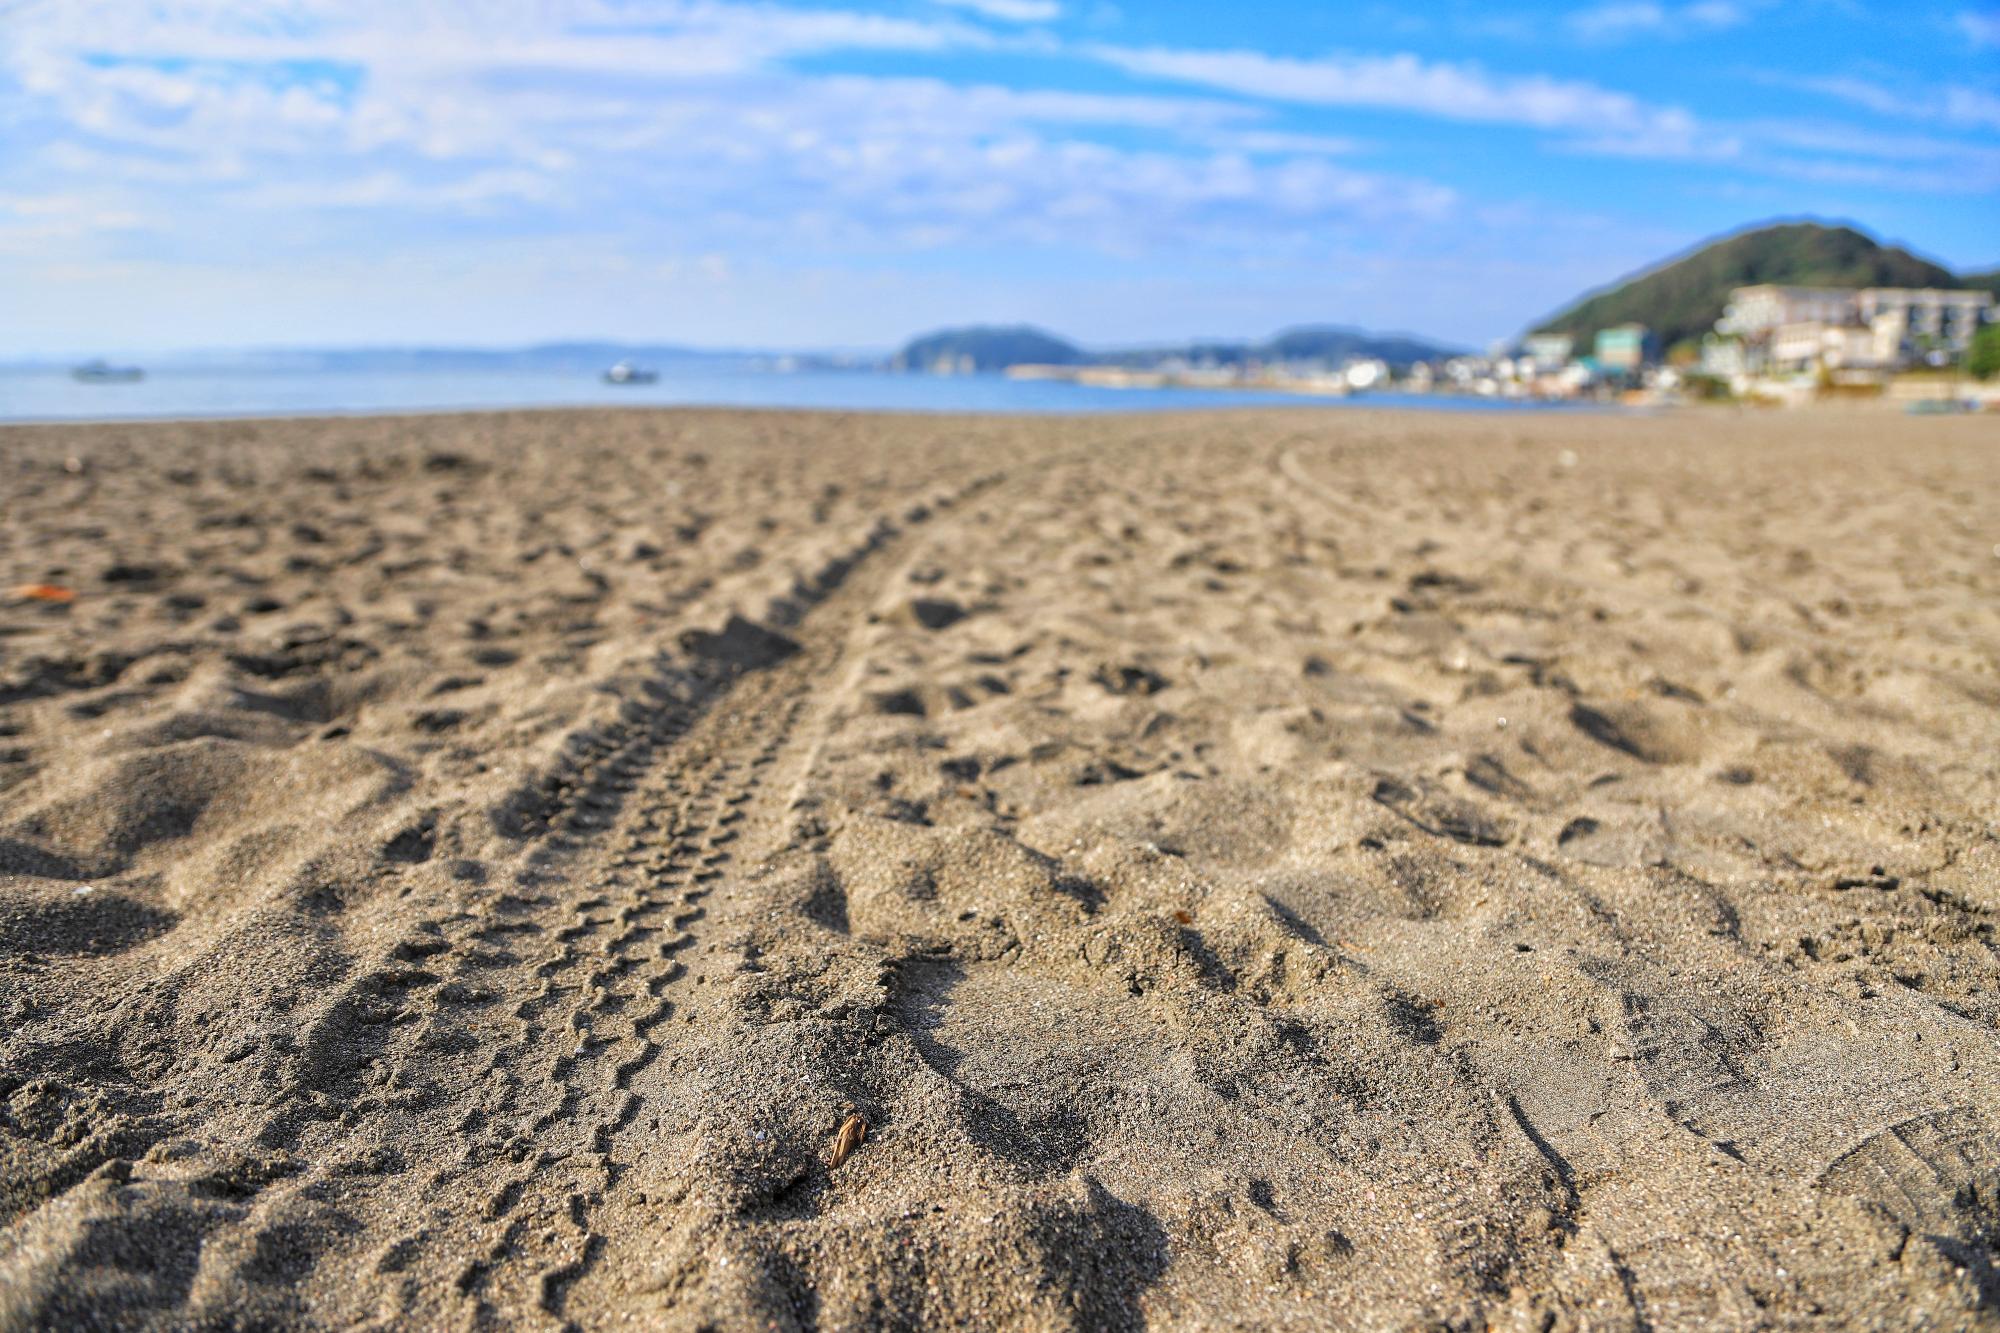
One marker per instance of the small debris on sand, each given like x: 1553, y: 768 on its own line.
x: 852, y: 1131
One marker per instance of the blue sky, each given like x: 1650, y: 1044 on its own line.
x: 202, y: 173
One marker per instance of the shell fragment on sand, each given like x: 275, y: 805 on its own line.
x: 852, y: 1131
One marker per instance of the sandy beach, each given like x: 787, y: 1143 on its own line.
x: 719, y: 869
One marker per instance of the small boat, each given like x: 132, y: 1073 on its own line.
x: 627, y: 373
x: 103, y: 372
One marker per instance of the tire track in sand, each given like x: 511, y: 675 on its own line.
x: 608, y: 917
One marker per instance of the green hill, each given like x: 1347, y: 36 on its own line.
x: 1684, y: 297
x: 1981, y: 282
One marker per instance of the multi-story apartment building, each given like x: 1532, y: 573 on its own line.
x: 1794, y: 328
x: 1950, y: 318
x: 1754, y: 312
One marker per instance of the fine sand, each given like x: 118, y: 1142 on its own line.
x: 1268, y: 870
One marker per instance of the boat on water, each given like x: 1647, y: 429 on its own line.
x: 103, y: 372
x: 627, y: 373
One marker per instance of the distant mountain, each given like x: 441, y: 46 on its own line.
x: 1685, y: 296
x: 565, y: 356
x: 986, y: 348
x: 1338, y: 344
x: 1981, y: 282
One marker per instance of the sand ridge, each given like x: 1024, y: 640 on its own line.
x: 1264, y: 870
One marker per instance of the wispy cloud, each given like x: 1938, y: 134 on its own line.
x: 1624, y: 20
x: 1009, y: 11
x: 1858, y: 92
x: 1586, y: 118
x: 678, y: 38
x: 680, y: 124
x: 1981, y: 29
x: 1402, y: 82
x: 1972, y: 107
x: 731, y: 143
x: 1954, y: 104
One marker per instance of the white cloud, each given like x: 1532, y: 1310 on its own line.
x: 1982, y: 30
x: 674, y: 38
x: 1668, y: 137
x: 320, y: 86
x: 1596, y: 120
x: 677, y: 125
x: 1009, y: 11
x: 32, y: 223
x: 875, y: 163
x: 1972, y: 108
x: 469, y: 194
x: 1715, y: 14
x: 1847, y: 140
x: 200, y: 136
x: 1955, y: 104
x: 1945, y: 180
x: 1286, y: 141
x: 1621, y: 20
x: 1856, y: 91
x: 1404, y: 83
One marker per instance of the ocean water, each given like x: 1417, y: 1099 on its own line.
x: 52, y: 395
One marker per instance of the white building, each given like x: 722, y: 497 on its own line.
x: 1365, y: 373
x: 1755, y: 312
x: 1799, y: 327
x: 1950, y: 318
x: 1727, y: 358
x: 1812, y: 344
x: 1549, y: 351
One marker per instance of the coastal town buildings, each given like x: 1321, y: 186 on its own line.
x: 1754, y: 312
x: 1833, y: 346
x: 1929, y: 323
x: 1928, y: 312
x: 1725, y: 356
x: 1774, y: 342
x: 1791, y: 329
x: 1622, y: 350
x: 1548, y: 351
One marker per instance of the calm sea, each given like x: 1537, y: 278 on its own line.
x: 52, y: 395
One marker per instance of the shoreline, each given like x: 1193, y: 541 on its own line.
x: 1213, y: 400
x: 1471, y: 407
x: 908, y: 394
